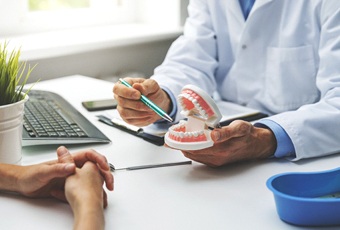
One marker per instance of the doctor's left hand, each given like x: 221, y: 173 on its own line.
x: 239, y: 141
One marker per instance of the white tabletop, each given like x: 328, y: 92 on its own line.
x: 180, y: 197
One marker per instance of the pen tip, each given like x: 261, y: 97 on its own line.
x: 168, y: 118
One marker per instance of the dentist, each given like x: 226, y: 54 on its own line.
x: 280, y: 57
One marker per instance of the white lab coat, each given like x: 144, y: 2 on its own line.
x: 284, y: 60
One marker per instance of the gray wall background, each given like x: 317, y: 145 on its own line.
x: 104, y: 64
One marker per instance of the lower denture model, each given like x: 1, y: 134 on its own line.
x: 202, y: 113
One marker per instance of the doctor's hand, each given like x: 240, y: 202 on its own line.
x: 131, y: 109
x: 240, y: 141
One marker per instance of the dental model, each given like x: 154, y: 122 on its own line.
x: 202, y: 113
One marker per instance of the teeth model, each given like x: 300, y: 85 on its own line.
x: 202, y: 113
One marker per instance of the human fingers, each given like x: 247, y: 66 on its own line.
x: 88, y: 155
x: 133, y: 102
x: 134, y: 107
x: 48, y: 179
x: 136, y: 113
x: 131, y: 109
x: 155, y: 93
x: 37, y: 180
x: 91, y: 155
x: 84, y: 189
x: 64, y: 155
x: 105, y: 202
x: 94, y: 177
x: 122, y: 92
x: 149, y: 86
x: 82, y: 156
x: 125, y: 92
x: 137, y: 118
x: 206, y: 159
x: 237, y: 128
x: 48, y: 172
x: 86, y: 177
x: 56, y: 171
x: 108, y: 177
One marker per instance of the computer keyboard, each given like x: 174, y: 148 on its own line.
x: 50, y: 119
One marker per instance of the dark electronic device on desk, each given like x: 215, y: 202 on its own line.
x: 97, y: 105
x: 50, y: 119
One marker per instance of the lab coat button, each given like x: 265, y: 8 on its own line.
x: 244, y: 46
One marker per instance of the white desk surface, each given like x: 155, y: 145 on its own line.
x: 180, y: 197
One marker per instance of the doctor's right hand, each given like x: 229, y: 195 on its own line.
x: 132, y: 109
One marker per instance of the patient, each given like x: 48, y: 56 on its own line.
x: 77, y: 179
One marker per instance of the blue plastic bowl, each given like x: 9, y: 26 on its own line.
x: 307, y: 199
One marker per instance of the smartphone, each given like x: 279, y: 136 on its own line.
x: 97, y: 105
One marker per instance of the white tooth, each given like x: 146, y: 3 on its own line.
x: 191, y: 98
x: 201, y: 111
x: 195, y: 134
x: 182, y: 124
x: 201, y: 132
x: 186, y: 134
x: 181, y: 134
x: 198, y: 107
x: 204, y: 113
x: 194, y: 101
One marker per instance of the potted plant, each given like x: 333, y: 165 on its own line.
x: 13, y: 77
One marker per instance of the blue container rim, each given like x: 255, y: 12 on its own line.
x: 276, y: 192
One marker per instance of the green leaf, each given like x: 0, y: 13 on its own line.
x: 13, y: 75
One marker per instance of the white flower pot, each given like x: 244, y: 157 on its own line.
x: 11, y: 123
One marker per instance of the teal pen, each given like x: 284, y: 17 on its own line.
x: 149, y: 103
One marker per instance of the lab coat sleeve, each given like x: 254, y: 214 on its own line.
x: 191, y: 59
x: 284, y: 145
x: 314, y: 128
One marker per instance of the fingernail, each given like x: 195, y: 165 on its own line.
x: 62, y: 150
x: 216, y: 135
